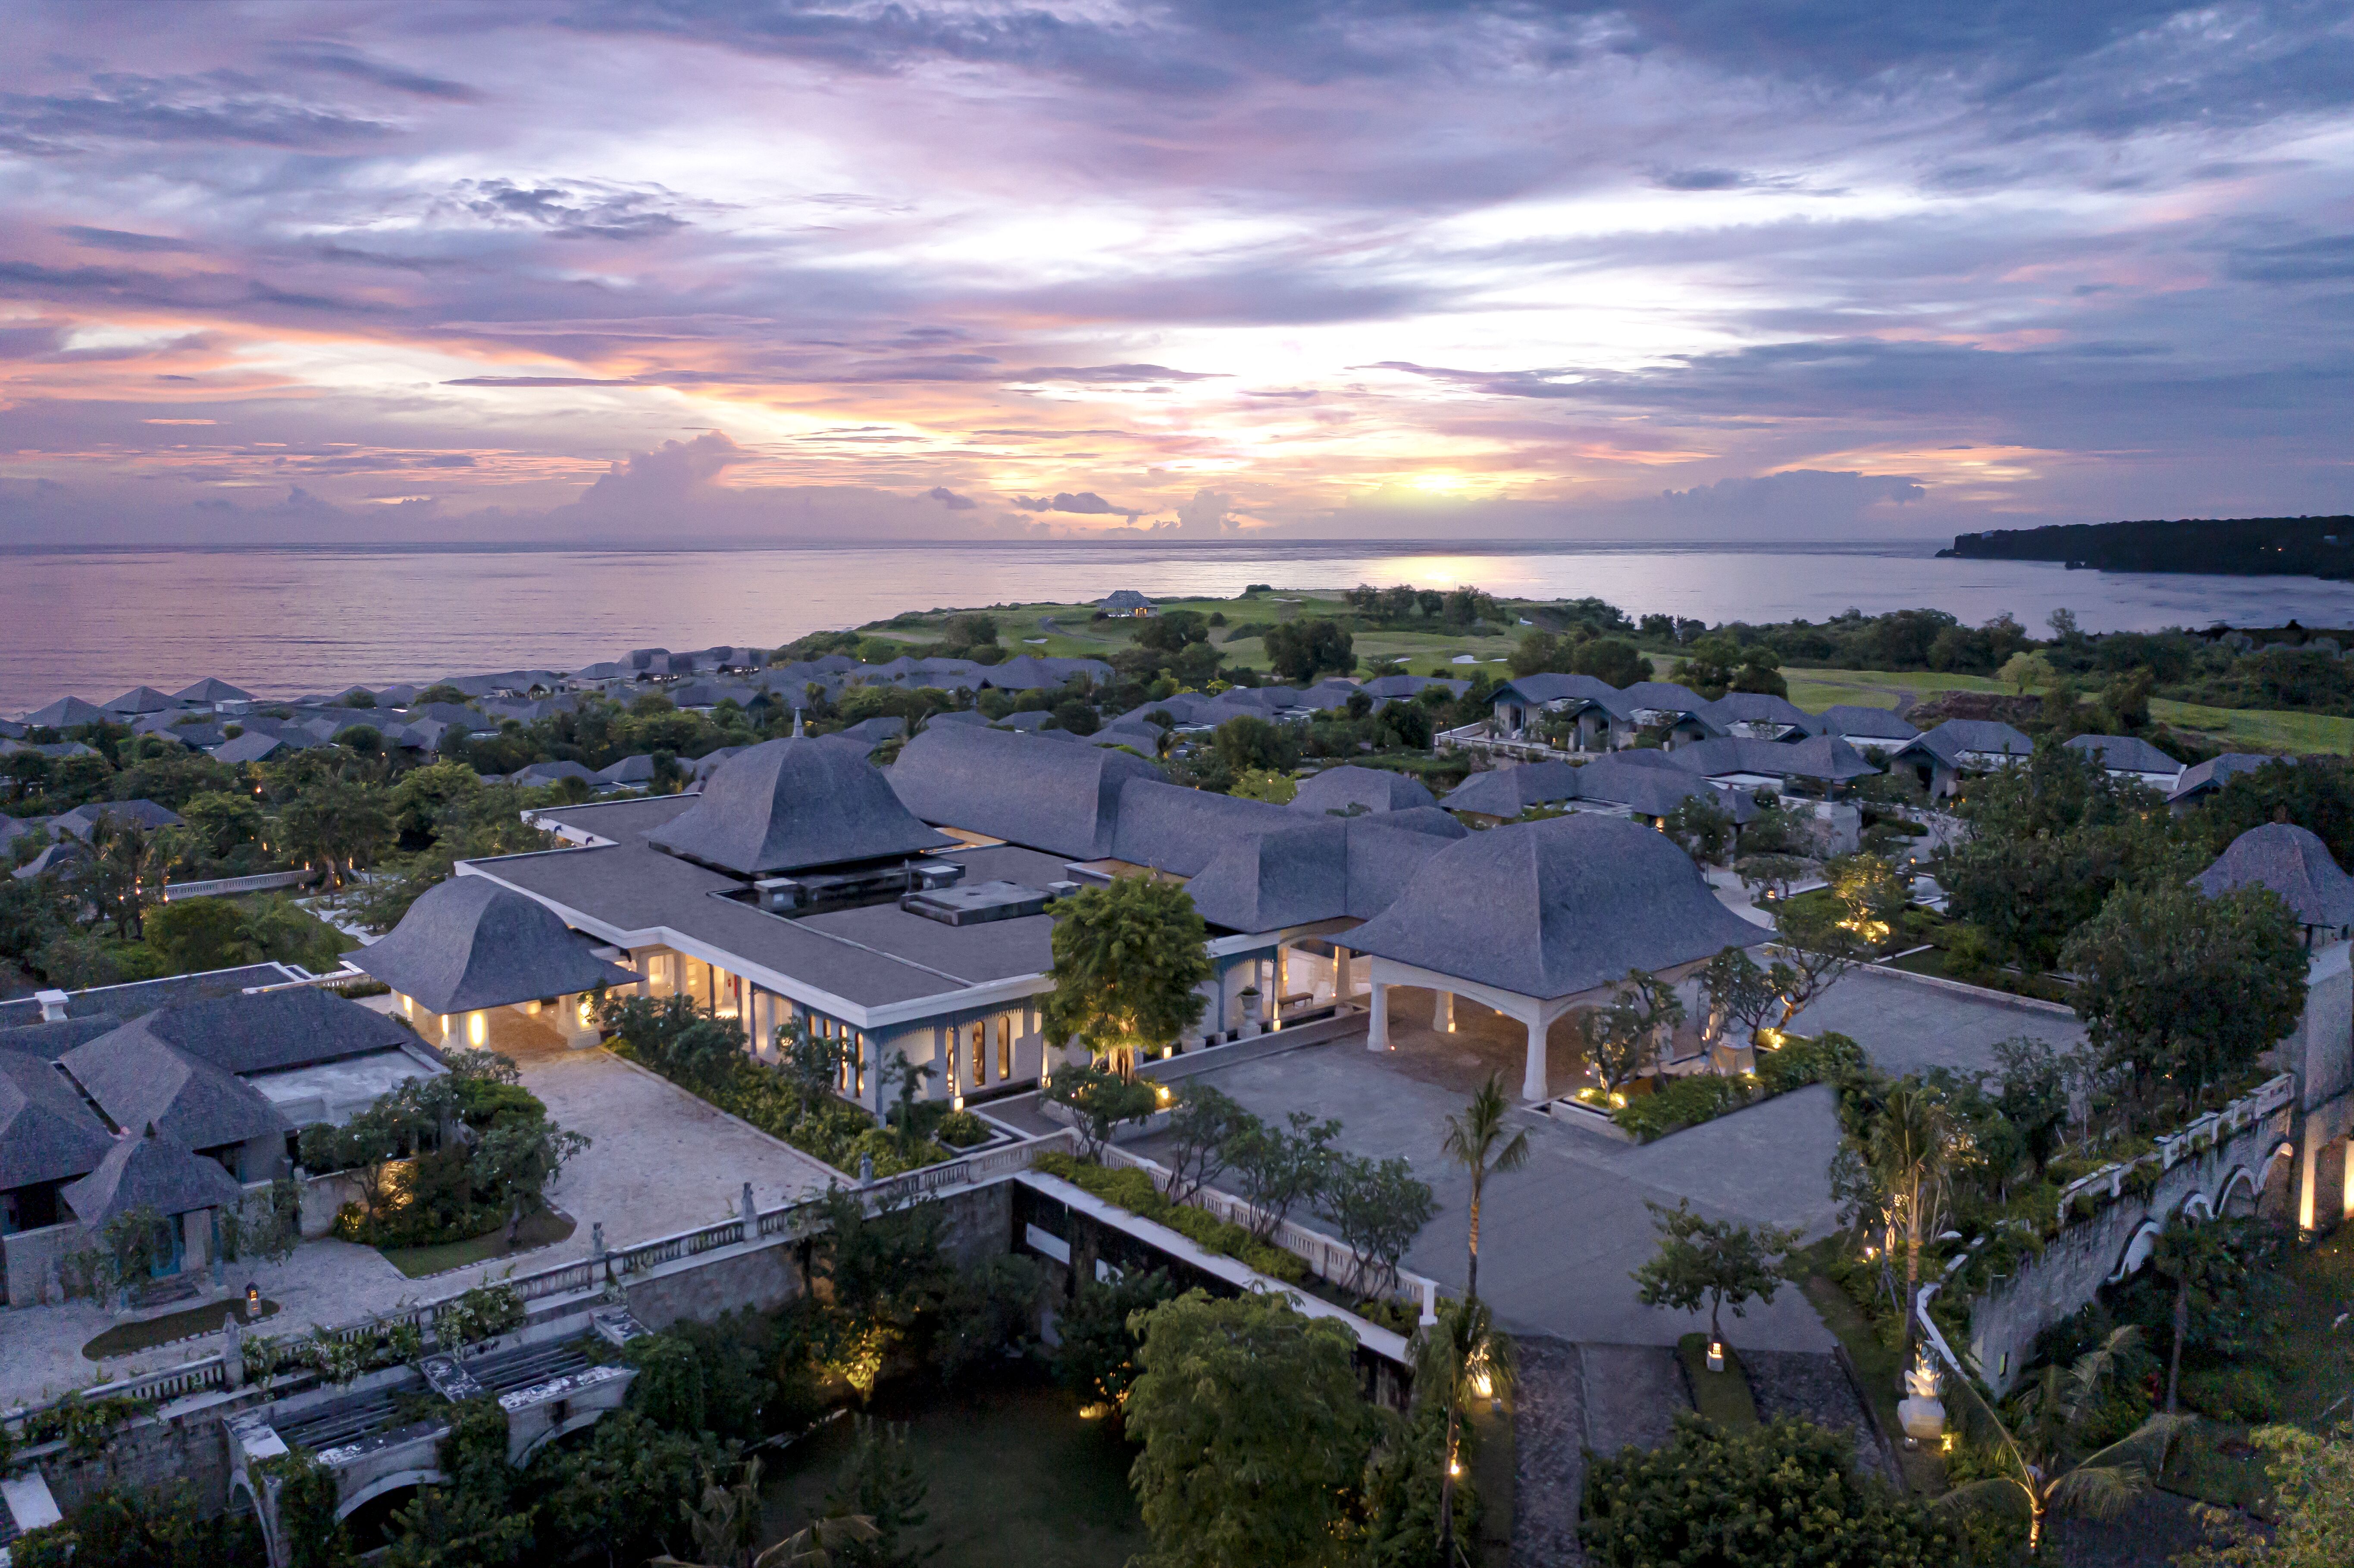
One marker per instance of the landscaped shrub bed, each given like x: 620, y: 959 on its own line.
x: 1679, y: 1103
x: 1133, y: 1190
x: 829, y: 1128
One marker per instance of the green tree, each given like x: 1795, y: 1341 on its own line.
x: 1204, y: 1126
x: 1738, y: 992
x: 1253, y: 1431
x: 882, y: 1484
x: 1126, y: 960
x: 1911, y: 1150
x: 1712, y: 1262
x: 2198, y: 1260
x: 615, y: 1497
x: 1279, y: 1168
x: 2176, y: 985
x: 1103, y: 1102
x: 223, y: 821
x: 2314, y: 792
x: 338, y: 826
x: 1702, y: 826
x: 1299, y: 651
x: 1609, y: 659
x: 1477, y: 1140
x: 1100, y: 1331
x: 2312, y: 1506
x: 1785, y: 1495
x: 2044, y: 1469
x: 1817, y: 948
x: 199, y: 934
x: 2024, y: 673
x: 1459, y: 1360
x: 1264, y: 784
x: 1247, y: 743
x: 1379, y: 1207
x: 1622, y: 1038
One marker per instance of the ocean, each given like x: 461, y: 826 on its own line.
x: 284, y: 621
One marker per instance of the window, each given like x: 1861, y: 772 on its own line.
x: 1005, y: 1046
x: 979, y: 1052
x: 858, y: 1063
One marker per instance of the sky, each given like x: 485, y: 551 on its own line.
x: 684, y: 270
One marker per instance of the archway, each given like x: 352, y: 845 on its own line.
x: 2138, y: 1246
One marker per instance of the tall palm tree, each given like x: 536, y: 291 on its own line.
x: 2200, y: 1262
x: 1476, y: 1141
x: 1910, y: 1151
x: 2047, y: 1418
x: 1461, y: 1359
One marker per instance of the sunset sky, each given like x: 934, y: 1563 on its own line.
x: 601, y: 268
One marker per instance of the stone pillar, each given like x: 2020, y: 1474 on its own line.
x: 1442, y: 1012
x: 1377, y: 1036
x: 1533, y: 1081
x: 1342, y: 989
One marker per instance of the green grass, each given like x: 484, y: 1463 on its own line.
x: 1018, y: 1480
x: 1877, y: 1367
x: 543, y: 1229
x: 1815, y: 690
x: 2259, y: 729
x: 125, y: 1339
x: 1721, y: 1396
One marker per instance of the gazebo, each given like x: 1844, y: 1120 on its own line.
x: 1537, y: 919
x: 156, y: 1172
x: 471, y: 945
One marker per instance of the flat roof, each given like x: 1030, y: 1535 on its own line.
x: 879, y: 957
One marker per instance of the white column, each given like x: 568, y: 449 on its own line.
x: 1533, y: 1081
x: 1442, y: 1012
x: 1342, y: 989
x: 1377, y: 1038
x: 2309, y: 1172
x: 2346, y: 1194
x: 1275, y: 1001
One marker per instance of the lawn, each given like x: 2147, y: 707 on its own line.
x: 124, y: 1339
x: 1721, y: 1396
x: 1018, y: 1480
x: 543, y: 1229
x: 2259, y: 729
x: 2312, y: 1361
x: 1877, y: 1367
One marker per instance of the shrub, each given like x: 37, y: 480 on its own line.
x: 1679, y: 1103
x: 1133, y: 1190
x: 2232, y: 1393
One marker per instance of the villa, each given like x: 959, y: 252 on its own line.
x: 2130, y: 758
x: 1940, y: 757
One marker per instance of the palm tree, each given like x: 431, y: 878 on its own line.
x: 1476, y: 1141
x: 2197, y: 1258
x: 725, y: 1522
x: 1461, y: 1359
x: 2046, y: 1418
x: 1910, y: 1151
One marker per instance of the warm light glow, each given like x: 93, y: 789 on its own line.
x: 478, y: 1029
x: 1455, y: 1468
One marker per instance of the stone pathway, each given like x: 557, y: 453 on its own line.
x: 1633, y: 1394
x: 1548, y: 1454
x: 1815, y: 1388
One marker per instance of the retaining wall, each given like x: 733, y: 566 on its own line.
x: 2226, y: 1178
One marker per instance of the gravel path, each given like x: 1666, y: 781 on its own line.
x: 1548, y: 1454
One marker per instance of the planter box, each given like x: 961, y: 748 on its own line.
x: 1577, y: 1113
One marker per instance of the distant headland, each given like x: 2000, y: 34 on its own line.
x: 2231, y: 546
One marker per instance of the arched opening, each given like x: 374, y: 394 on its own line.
x: 555, y: 1435
x: 2236, y: 1199
x: 2138, y: 1250
x: 367, y: 1513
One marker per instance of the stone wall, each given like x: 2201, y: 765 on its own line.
x: 33, y: 1259
x: 2006, y: 1319
x: 187, y: 1444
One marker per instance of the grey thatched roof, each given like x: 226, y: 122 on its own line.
x: 270, y: 1031
x: 1823, y: 757
x: 1375, y: 789
x: 1666, y: 696
x: 786, y: 805
x: 47, y: 1133
x: 2205, y: 777
x: 2124, y: 754
x: 151, y: 1169
x: 141, y: 700
x: 1182, y: 831
x: 1656, y: 788
x: 1509, y: 792
x: 257, y: 745
x: 1950, y: 740
x: 1550, y: 687
x: 1061, y: 798
x: 470, y: 943
x: 137, y: 1078
x: 1552, y: 908
x: 1761, y: 708
x: 210, y: 690
x: 1316, y: 870
x: 1875, y: 724
x: 2294, y: 863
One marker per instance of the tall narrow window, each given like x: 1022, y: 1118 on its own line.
x: 1005, y: 1046
x: 979, y: 1052
x: 858, y: 1063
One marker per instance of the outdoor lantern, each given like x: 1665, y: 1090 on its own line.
x: 1716, y: 1355
x: 252, y: 1302
x: 477, y: 1030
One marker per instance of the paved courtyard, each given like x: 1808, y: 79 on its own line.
x: 660, y: 1161
x: 1560, y: 1237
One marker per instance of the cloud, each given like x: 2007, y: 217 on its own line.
x: 1085, y: 503
x: 573, y: 211
x: 119, y: 239
x: 950, y: 499
x: 339, y: 61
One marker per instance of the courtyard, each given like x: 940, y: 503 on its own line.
x: 1559, y: 1238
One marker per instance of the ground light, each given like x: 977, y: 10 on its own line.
x: 252, y: 1302
x: 1716, y: 1355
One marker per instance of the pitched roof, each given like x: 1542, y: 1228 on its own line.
x: 638, y: 769
x: 1382, y: 686
x: 2291, y: 860
x: 141, y: 700
x: 1064, y: 799
x: 58, y: 855
x: 151, y: 1169
x: 257, y: 745
x: 137, y: 1078
x: 210, y: 690
x: 1666, y: 695
x: 1823, y: 757
x: 470, y: 943
x: 1375, y: 789
x: 83, y: 821
x: 270, y: 1031
x: 47, y: 1133
x: 1509, y: 792
x: 785, y: 805
x: 1552, y: 908
x: 2124, y: 754
x: 1951, y: 739
x: 1760, y: 707
x: 68, y: 712
x: 1548, y: 686
x: 2205, y: 778
x: 123, y: 1002
x: 1655, y: 791
x: 1182, y: 831
x: 1878, y: 723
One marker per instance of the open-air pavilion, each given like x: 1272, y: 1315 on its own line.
x: 1535, y: 920
x: 471, y: 945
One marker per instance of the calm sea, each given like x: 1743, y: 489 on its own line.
x: 283, y: 620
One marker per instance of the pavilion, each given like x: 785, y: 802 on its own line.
x: 471, y: 945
